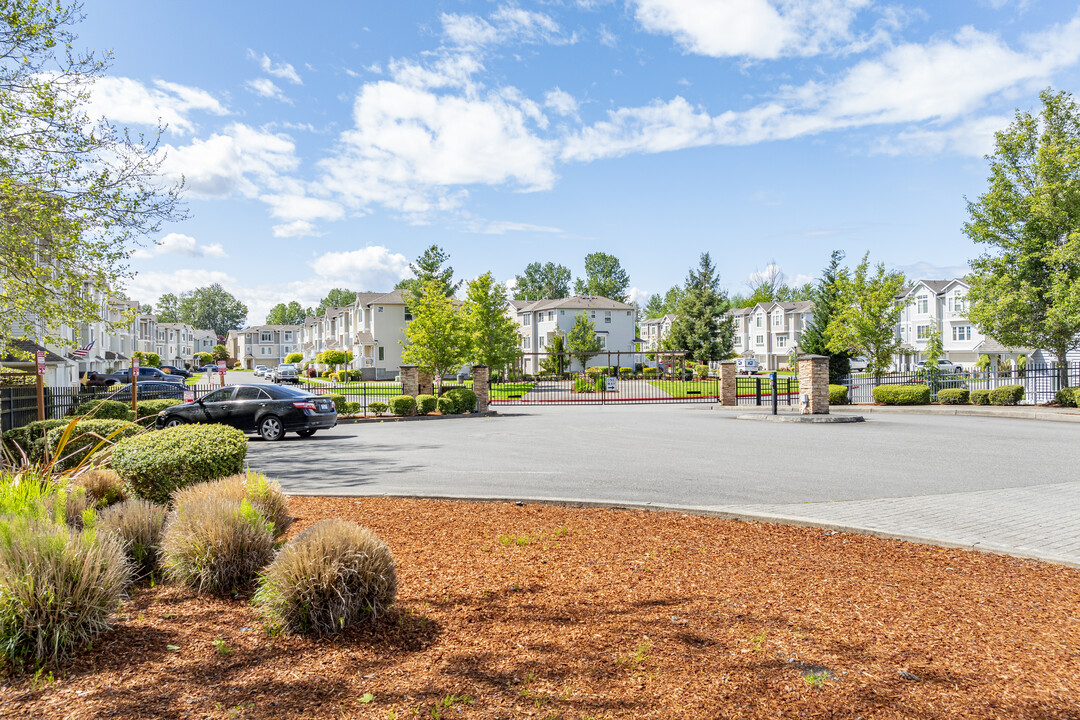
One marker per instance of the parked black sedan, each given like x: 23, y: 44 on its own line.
x: 269, y: 410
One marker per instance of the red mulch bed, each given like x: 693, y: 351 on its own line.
x: 553, y: 612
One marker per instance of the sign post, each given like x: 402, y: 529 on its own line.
x: 40, y: 384
x: 134, y: 385
x: 221, y: 371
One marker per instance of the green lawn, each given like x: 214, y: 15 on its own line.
x: 687, y: 388
x: 503, y: 391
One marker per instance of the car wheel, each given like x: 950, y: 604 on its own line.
x: 173, y: 422
x: 270, y: 428
x: 306, y: 433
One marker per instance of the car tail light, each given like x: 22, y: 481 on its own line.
x: 304, y: 405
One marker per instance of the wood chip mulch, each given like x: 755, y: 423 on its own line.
x: 535, y: 611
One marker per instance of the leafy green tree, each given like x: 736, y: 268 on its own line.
x: 582, y: 342
x: 203, y: 358
x: 294, y: 358
x: 147, y: 359
x: 168, y: 309
x: 700, y: 327
x: 865, y: 321
x: 338, y: 297
x: 333, y: 357
x: 429, y: 266
x: 604, y: 276
x: 554, y: 363
x: 538, y: 282
x: 212, y: 308
x: 491, y: 334
x: 668, y: 304
x: 219, y: 352
x: 1025, y: 288
x: 435, y: 340
x: 826, y: 299
x: 291, y: 314
x: 76, y: 194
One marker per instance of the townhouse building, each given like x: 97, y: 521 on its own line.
x: 372, y: 328
x: 540, y: 320
x: 770, y: 332
x: 204, y: 341
x: 176, y: 343
x: 653, y: 330
x: 263, y: 344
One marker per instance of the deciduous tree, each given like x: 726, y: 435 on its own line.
x: 435, y: 339
x: 491, y: 334
x: 865, y: 321
x: 290, y: 314
x: 212, y: 308
x: 604, y: 276
x: 582, y: 342
x: 826, y: 299
x: 539, y: 282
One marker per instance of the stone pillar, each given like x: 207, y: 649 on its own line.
x: 480, y: 375
x: 425, y: 385
x: 814, y: 384
x: 728, y: 393
x: 410, y: 380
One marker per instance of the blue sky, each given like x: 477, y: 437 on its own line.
x: 328, y: 147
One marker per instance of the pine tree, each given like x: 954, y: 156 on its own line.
x: 700, y: 327
x: 826, y: 299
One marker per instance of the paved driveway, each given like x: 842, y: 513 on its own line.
x: 692, y: 456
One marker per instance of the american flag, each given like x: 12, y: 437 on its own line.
x: 83, y: 351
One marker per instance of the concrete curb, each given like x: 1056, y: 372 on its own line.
x: 414, y: 418
x: 805, y: 419
x: 728, y: 514
x: 1020, y: 412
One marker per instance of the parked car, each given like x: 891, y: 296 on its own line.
x: 145, y: 373
x: 285, y: 372
x: 173, y: 370
x: 858, y: 364
x: 92, y: 379
x: 268, y: 410
x: 148, y: 390
x: 262, y: 371
x: 945, y: 366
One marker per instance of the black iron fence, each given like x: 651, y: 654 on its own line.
x: 1040, y: 382
x: 758, y: 390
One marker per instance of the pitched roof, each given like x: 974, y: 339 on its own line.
x: 32, y: 348
x: 575, y: 302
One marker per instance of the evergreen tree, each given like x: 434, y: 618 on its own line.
x: 492, y: 335
x: 429, y: 266
x: 826, y: 299
x: 555, y: 362
x: 700, y: 327
x: 668, y: 304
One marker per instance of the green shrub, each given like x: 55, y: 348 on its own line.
x: 215, y: 545
x: 649, y: 372
x: 701, y: 371
x: 157, y: 463
x: 265, y: 495
x: 1007, y: 395
x: 403, y: 405
x: 103, y: 486
x: 446, y: 405
x: 339, y: 402
x: 584, y: 384
x: 58, y: 589
x: 293, y: 358
x: 30, y: 438
x: 902, y: 394
x: 87, y: 437
x: 464, y: 399
x: 138, y: 526
x: 980, y: 397
x: 625, y: 372
x: 352, y: 408
x: 1066, y: 397
x: 146, y: 410
x: 954, y: 396
x: 838, y: 395
x: 105, y: 410
x: 426, y: 404
x: 328, y: 577
x: 342, y: 376
x: 378, y: 408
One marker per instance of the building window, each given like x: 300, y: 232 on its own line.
x: 961, y: 332
x: 540, y: 343
x: 525, y: 343
x: 266, y: 350
x: 380, y: 308
x: 525, y: 319
x: 760, y: 340
x: 288, y: 336
x: 603, y: 340
x: 923, y: 304
x: 781, y: 341
x: 777, y: 319
x: 738, y: 341
x: 408, y: 314
x: 265, y: 337
x: 381, y: 353
x: 607, y: 317
x: 922, y: 332
x: 758, y: 317
x: 956, y: 302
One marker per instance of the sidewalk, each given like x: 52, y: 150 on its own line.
x: 1016, y: 412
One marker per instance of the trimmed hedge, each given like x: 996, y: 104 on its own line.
x: 446, y: 405
x: 378, y: 407
x: 351, y: 408
x: 31, y: 437
x: 902, y: 394
x: 147, y: 410
x: 403, y: 405
x: 105, y: 409
x: 465, y: 399
x: 425, y: 404
x: 954, y: 396
x: 649, y: 371
x: 155, y: 464
x: 1007, y: 395
x: 1065, y: 397
x: 85, y: 436
x: 838, y: 395
x: 980, y: 397
x: 339, y: 402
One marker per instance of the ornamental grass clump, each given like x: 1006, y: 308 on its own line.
x: 103, y: 486
x: 156, y: 464
x: 137, y: 525
x: 265, y: 495
x: 58, y: 588
x: 216, y: 545
x: 328, y: 577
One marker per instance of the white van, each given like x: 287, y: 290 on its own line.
x: 747, y: 366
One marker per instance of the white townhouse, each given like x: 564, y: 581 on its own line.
x: 372, y: 328
x: 770, y: 332
x: 176, y: 343
x: 263, y: 344
x: 653, y: 330
x: 203, y: 341
x: 540, y: 320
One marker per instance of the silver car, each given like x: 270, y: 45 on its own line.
x: 285, y: 372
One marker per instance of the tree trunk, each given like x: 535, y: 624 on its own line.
x: 1063, y: 368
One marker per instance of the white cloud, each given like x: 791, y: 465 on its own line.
x: 760, y: 29
x: 179, y: 244
x: 923, y: 270
x: 561, y: 102
x: 296, y: 228
x: 301, y: 207
x: 124, y: 100
x: 607, y: 38
x: 265, y: 87
x: 974, y: 137
x: 501, y: 227
x: 149, y: 286
x: 241, y: 159
x: 285, y: 71
x: 373, y: 267
x: 506, y: 25
x: 637, y: 295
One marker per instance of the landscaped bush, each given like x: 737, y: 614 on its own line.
x: 293, y: 358
x: 238, y: 366
x: 103, y: 486
x: 403, y: 405
x: 85, y: 438
x: 30, y: 438
x: 446, y: 405
x: 464, y: 399
x: 265, y: 495
x: 1007, y: 395
x: 342, y: 375
x: 701, y: 371
x: 954, y: 396
x: 156, y: 464
x: 105, y: 410
x: 328, y: 577
x: 584, y: 384
x: 339, y: 402
x: 425, y: 404
x: 625, y: 372
x: 838, y: 395
x: 215, y: 545
x: 59, y: 588
x: 147, y: 410
x: 378, y: 408
x: 138, y: 526
x: 980, y: 397
x: 1066, y: 397
x: 902, y: 394
x: 352, y: 408
x: 649, y: 372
